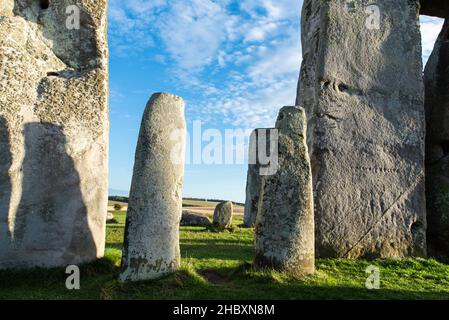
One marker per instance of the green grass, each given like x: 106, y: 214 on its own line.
x: 217, y: 266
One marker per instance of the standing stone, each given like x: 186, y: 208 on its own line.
x: 285, y: 224
x: 54, y: 130
x: 362, y: 88
x: 151, y: 246
x: 437, y: 147
x: 253, y: 182
x: 223, y: 215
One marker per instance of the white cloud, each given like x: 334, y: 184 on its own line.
x: 430, y: 29
x: 243, y: 65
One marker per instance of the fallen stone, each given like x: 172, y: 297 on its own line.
x: 192, y: 219
x: 361, y: 85
x: 54, y: 130
x: 285, y: 225
x: 151, y: 246
x: 110, y: 217
x: 223, y: 215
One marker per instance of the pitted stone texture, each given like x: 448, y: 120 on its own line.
x: 437, y: 147
x: 285, y: 224
x: 362, y: 90
x: 54, y: 126
x: 223, y: 214
x: 253, y: 182
x: 151, y: 246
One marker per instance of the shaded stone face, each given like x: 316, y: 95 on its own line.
x: 259, y: 138
x: 54, y: 133
x: 192, y: 219
x: 437, y: 146
x: 151, y: 245
x: 362, y: 88
x: 223, y: 214
x: 285, y: 225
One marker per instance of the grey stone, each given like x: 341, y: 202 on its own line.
x: 437, y: 147
x: 151, y: 246
x: 110, y: 217
x: 54, y: 130
x: 192, y: 219
x: 284, y: 236
x: 223, y: 214
x: 254, y: 177
x: 362, y: 89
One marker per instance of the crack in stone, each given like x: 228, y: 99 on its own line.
x: 401, y: 197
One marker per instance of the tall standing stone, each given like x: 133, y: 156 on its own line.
x: 151, y: 246
x: 259, y: 138
x: 362, y: 88
x: 285, y: 224
x: 54, y: 130
x: 437, y: 146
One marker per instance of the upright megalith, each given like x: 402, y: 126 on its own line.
x: 437, y: 147
x: 54, y: 132
x: 223, y: 215
x: 285, y: 224
x: 362, y: 88
x: 151, y: 245
x: 258, y: 159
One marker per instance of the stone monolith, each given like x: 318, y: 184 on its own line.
x: 151, y: 246
x: 54, y: 130
x: 259, y: 139
x: 285, y: 224
x: 223, y: 214
x: 437, y: 147
x: 362, y: 88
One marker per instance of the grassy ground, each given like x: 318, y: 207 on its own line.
x: 216, y: 266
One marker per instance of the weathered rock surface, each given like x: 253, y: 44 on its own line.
x: 437, y: 147
x: 362, y: 90
x: 54, y: 134
x: 253, y: 182
x: 285, y: 237
x: 151, y: 245
x: 223, y: 214
x: 192, y: 219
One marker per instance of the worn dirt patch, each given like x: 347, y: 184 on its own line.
x: 213, y: 276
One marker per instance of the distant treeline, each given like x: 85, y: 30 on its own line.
x: 126, y: 200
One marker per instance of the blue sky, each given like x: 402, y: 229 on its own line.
x: 235, y: 63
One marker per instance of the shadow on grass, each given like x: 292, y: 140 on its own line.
x: 100, y: 281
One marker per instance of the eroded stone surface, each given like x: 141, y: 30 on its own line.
x: 437, y: 146
x: 151, y: 246
x: 54, y: 131
x: 362, y: 90
x: 223, y: 214
x: 285, y: 224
